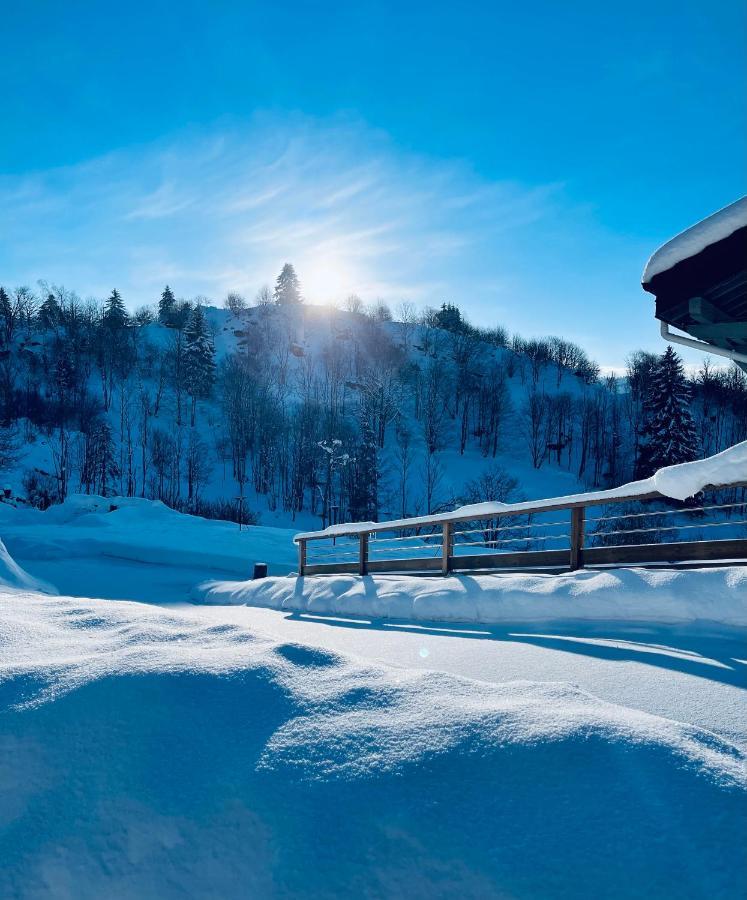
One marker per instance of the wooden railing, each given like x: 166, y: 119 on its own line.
x: 437, y: 544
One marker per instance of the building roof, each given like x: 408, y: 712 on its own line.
x: 694, y: 240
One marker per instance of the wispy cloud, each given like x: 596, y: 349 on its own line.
x: 223, y: 211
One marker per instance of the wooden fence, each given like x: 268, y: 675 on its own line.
x: 438, y: 544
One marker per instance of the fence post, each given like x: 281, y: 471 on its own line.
x: 577, y: 537
x: 447, y: 543
x: 363, y: 553
x: 301, y: 556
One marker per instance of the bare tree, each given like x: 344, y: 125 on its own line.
x: 408, y: 317
x: 235, y: 303
x: 534, y: 425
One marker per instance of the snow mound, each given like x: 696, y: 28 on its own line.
x: 147, y: 753
x: 696, y: 238
x: 12, y: 575
x: 650, y: 595
x: 686, y: 479
x: 142, y: 531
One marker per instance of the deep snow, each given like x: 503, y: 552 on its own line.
x: 147, y: 752
x: 347, y: 743
x: 716, y: 595
x: 134, y: 530
x: 13, y: 575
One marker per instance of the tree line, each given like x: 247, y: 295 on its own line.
x: 347, y: 413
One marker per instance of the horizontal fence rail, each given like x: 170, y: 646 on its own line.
x: 543, y: 535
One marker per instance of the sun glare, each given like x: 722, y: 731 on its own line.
x: 328, y: 279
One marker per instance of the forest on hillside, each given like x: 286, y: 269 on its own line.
x: 342, y: 412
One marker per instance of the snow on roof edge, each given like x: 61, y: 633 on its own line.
x: 678, y: 482
x: 696, y: 238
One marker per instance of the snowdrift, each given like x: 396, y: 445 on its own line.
x: 716, y: 595
x: 147, y: 754
x: 142, y: 531
x: 12, y: 575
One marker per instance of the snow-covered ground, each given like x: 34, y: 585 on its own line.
x: 347, y: 740
x: 151, y: 752
x: 99, y: 546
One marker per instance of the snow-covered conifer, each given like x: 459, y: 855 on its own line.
x: 287, y: 287
x: 199, y: 355
x: 166, y: 306
x: 668, y: 435
x: 115, y: 313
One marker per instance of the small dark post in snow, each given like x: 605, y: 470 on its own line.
x: 577, y: 537
x: 447, y: 544
x: 363, y: 554
x: 260, y: 570
x: 301, y: 557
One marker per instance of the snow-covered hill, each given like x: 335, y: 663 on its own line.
x: 320, y: 414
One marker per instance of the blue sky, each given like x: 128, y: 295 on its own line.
x: 521, y: 160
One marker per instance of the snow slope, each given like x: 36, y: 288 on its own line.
x: 148, y: 753
x: 141, y: 531
x: 12, y: 575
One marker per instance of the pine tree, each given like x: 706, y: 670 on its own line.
x: 668, y: 435
x: 287, y: 287
x: 449, y: 317
x: 199, y: 354
x: 50, y: 314
x: 115, y: 314
x: 364, y: 489
x: 6, y: 315
x: 166, y: 306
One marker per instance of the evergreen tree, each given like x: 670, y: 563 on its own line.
x: 668, y: 435
x: 115, y: 314
x: 449, y: 317
x: 364, y: 489
x: 50, y: 314
x: 287, y: 287
x: 199, y: 356
x: 166, y: 306
x: 6, y: 315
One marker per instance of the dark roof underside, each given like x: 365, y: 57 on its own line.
x: 706, y: 294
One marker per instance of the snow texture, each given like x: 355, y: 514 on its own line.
x: 678, y: 482
x: 696, y: 238
x: 642, y: 595
x: 12, y: 575
x: 146, y: 753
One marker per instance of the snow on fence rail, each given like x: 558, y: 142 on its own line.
x: 534, y: 534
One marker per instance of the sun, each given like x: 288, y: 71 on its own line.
x: 327, y: 278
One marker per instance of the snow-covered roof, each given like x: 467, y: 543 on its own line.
x: 678, y: 482
x: 695, y: 239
